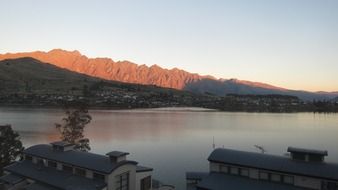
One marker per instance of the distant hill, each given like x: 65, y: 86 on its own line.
x: 30, y: 76
x: 125, y: 71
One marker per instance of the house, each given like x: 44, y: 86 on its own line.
x: 240, y: 170
x: 57, y: 166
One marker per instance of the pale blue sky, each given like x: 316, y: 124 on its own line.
x: 288, y: 43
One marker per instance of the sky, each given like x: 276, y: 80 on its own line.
x: 287, y: 43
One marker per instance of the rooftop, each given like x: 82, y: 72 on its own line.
x: 61, y: 143
x: 86, y: 160
x: 117, y: 153
x: 39, y: 186
x: 196, y: 175
x: 275, y: 163
x: 11, y: 179
x: 217, y: 181
x: 143, y: 169
x: 308, y: 151
x: 53, y: 177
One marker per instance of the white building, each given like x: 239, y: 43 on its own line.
x: 239, y: 170
x: 58, y: 167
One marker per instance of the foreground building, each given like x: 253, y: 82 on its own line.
x: 239, y: 170
x: 59, y: 167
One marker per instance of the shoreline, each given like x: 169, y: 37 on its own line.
x: 160, y: 109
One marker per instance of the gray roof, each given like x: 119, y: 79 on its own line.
x: 307, y: 151
x: 218, y: 181
x: 275, y: 163
x: 86, y: 160
x: 39, y: 186
x: 53, y: 177
x: 61, y: 143
x: 117, y: 153
x: 11, y: 179
x: 196, y: 175
x: 143, y: 169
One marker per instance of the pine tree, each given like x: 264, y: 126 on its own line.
x: 10, y: 146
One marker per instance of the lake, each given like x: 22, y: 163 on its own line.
x: 174, y: 141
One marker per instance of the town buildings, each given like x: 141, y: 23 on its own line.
x: 240, y: 170
x: 57, y: 166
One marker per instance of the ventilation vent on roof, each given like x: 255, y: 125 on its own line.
x: 62, y: 146
x: 117, y: 156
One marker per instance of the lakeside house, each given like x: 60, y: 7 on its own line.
x: 57, y: 166
x: 240, y: 170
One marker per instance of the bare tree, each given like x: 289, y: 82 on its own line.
x: 72, y: 127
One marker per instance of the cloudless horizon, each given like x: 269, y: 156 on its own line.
x: 286, y: 43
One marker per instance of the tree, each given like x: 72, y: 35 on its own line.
x: 72, y: 127
x: 10, y: 146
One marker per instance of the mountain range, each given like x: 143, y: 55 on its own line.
x: 125, y: 71
x: 29, y: 75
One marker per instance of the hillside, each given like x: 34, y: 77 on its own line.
x: 31, y: 76
x: 125, y: 71
x: 106, y: 68
x: 30, y: 82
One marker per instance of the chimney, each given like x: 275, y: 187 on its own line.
x: 307, y: 155
x: 117, y: 156
x: 62, y: 146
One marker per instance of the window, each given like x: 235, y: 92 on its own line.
x: 40, y: 162
x: 146, y: 183
x: 223, y: 169
x: 52, y: 164
x: 264, y: 175
x: 234, y: 170
x: 244, y: 172
x: 276, y: 178
x: 81, y: 172
x: 67, y: 168
x: 98, y: 176
x: 288, y: 179
x: 315, y: 158
x: 327, y: 185
x: 298, y: 156
x: 122, y: 181
x: 29, y: 158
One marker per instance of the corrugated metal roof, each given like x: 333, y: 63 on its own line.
x: 53, y: 177
x: 218, y: 181
x: 11, y: 179
x: 39, y: 186
x: 196, y: 175
x: 86, y: 160
x: 275, y: 163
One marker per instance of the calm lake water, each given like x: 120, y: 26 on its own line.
x: 175, y: 141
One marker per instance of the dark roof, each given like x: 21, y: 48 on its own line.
x: 275, y: 163
x: 39, y: 186
x: 86, y: 160
x: 117, y: 153
x: 143, y: 169
x: 53, y: 177
x: 61, y: 143
x: 217, y: 181
x: 196, y: 175
x: 11, y: 179
x: 307, y: 151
